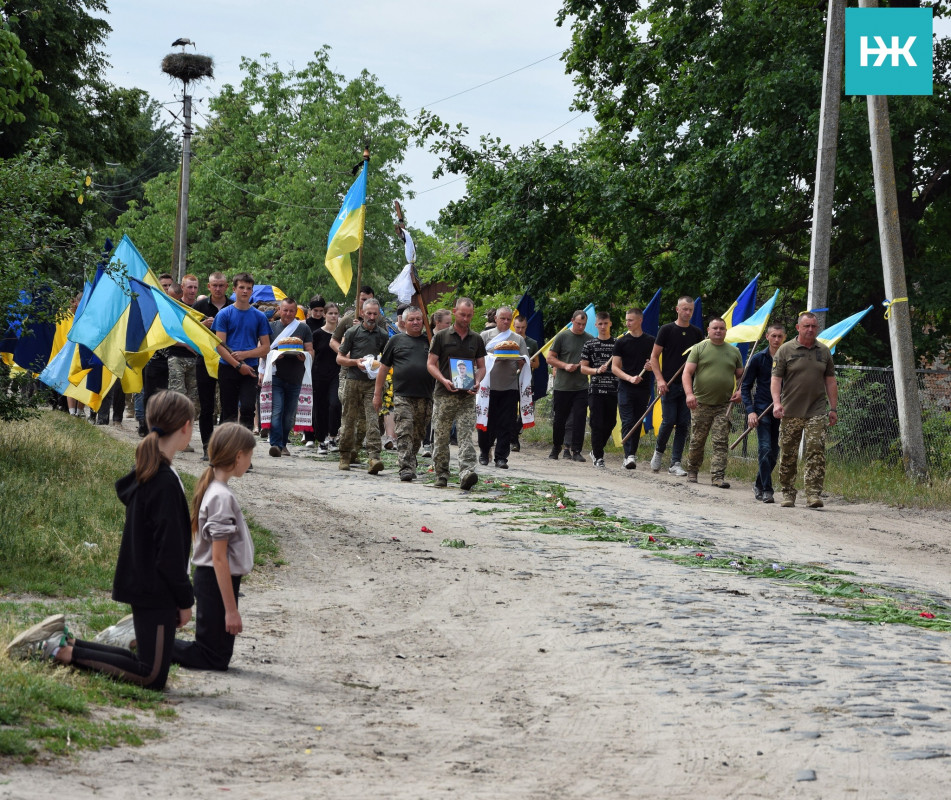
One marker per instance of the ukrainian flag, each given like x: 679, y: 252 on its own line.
x: 156, y: 321
x: 832, y: 335
x: 346, y: 233
x: 103, y: 322
x: 751, y: 329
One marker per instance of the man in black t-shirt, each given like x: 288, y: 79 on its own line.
x: 408, y: 355
x: 596, y: 355
x: 631, y: 366
x: 209, y: 306
x: 673, y: 339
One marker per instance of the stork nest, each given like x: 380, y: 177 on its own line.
x: 188, y: 67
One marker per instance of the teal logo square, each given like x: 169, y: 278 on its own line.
x: 888, y: 51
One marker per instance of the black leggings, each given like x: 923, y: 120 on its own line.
x: 148, y: 665
x: 213, y: 645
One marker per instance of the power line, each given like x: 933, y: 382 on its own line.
x: 486, y: 83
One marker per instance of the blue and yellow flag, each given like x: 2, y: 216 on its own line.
x: 751, y: 329
x: 102, y: 325
x: 346, y: 233
x: 743, y: 306
x: 832, y: 335
x: 156, y: 321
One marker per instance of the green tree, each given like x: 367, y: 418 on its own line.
x: 42, y: 259
x: 62, y: 41
x: 18, y: 77
x: 269, y: 173
x: 711, y: 108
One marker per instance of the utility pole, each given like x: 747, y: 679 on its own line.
x: 188, y: 68
x: 893, y: 266
x: 180, y: 256
x: 825, y: 160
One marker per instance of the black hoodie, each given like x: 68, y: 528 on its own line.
x: 152, y: 570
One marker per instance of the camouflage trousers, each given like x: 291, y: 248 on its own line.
x: 411, y: 415
x: 358, y: 411
x: 712, y: 420
x: 183, y: 378
x: 791, y: 430
x: 361, y: 429
x: 458, y: 407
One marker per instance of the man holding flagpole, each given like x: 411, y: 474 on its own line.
x: 710, y: 377
x: 758, y: 402
x: 673, y: 341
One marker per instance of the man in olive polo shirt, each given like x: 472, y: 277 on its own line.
x: 408, y: 355
x: 451, y: 404
x: 710, y: 384
x: 365, y: 339
x: 570, y: 389
x: 803, y: 377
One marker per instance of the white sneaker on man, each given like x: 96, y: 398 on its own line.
x: 676, y: 469
x: 630, y: 462
x: 655, y: 461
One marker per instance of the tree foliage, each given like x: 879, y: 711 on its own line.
x: 269, y: 171
x: 700, y: 172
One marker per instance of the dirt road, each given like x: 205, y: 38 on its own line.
x: 376, y: 663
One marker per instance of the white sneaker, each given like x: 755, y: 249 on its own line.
x: 593, y: 459
x: 599, y: 463
x: 427, y: 451
x: 321, y: 449
x: 122, y: 634
x: 655, y: 461
x: 309, y: 444
x: 676, y: 469
x: 332, y: 446
x: 630, y: 462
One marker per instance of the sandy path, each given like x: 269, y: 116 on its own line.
x: 539, y: 666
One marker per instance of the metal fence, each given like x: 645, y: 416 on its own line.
x: 867, y: 430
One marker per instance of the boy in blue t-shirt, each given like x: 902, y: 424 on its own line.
x: 245, y: 337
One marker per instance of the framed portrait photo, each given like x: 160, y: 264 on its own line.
x: 462, y: 373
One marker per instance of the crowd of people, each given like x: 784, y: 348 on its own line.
x: 339, y: 379
x: 349, y: 383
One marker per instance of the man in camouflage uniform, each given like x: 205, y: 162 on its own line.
x: 803, y: 377
x: 360, y: 340
x: 408, y: 355
x: 451, y: 404
x: 710, y: 385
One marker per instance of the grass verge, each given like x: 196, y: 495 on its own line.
x: 60, y: 526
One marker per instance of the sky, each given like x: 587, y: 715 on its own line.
x: 420, y: 50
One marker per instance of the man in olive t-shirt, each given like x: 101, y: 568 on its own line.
x: 408, y: 355
x: 803, y: 377
x: 710, y: 386
x: 570, y: 388
x: 365, y: 339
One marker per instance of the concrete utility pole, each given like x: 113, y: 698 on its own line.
x: 180, y: 256
x: 187, y: 68
x: 825, y: 160
x: 893, y: 266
